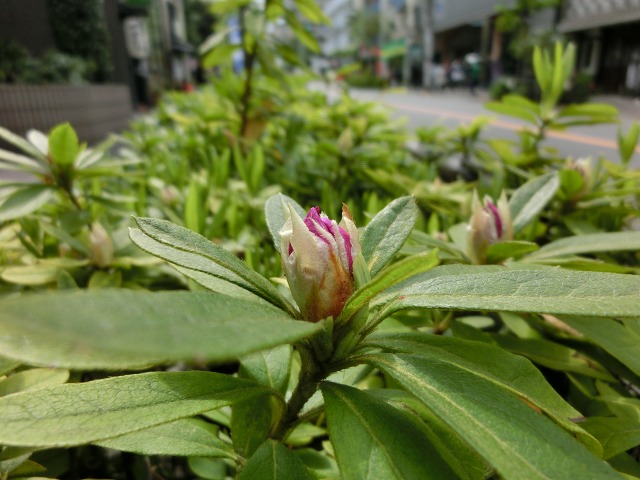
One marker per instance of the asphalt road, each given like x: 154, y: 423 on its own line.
x: 451, y: 108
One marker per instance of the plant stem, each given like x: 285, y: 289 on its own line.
x: 311, y: 374
x: 249, y: 60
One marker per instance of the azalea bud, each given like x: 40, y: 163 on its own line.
x: 170, y: 195
x: 489, y: 224
x: 318, y: 255
x: 101, y: 246
x: 576, y: 187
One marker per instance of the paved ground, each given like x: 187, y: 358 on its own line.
x: 421, y: 108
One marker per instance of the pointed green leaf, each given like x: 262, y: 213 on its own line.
x: 187, y: 437
x: 79, y: 413
x: 507, y: 433
x: 511, y: 110
x: 589, y: 243
x: 275, y: 210
x: 540, y: 69
x: 31, y: 379
x: 25, y: 201
x: 466, y: 463
x: 118, y: 329
x: 251, y: 422
x: 501, y: 251
x: 531, y: 198
x: 557, y: 78
x: 373, y: 440
x: 21, y: 143
x: 589, y: 110
x: 617, y: 435
x: 553, y: 355
x: 218, y: 285
x: 17, y: 162
x: 392, y: 275
x: 188, y: 249
x: 269, y: 367
x: 33, y: 275
x: 511, y: 372
x: 387, y: 232
x: 616, y: 338
x: 63, y: 144
x: 312, y: 11
x: 517, y: 288
x: 274, y: 461
x: 627, y: 143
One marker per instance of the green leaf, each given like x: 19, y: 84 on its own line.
x: 25, y: 201
x: 511, y: 436
x: 589, y: 243
x: 466, y: 463
x: 21, y: 143
x: 531, y: 198
x: 194, y: 214
x: 79, y: 413
x: 118, y: 329
x: 615, y: 337
x: 269, y: 367
x: 517, y: 288
x: 553, y: 355
x: 251, y: 422
x: 498, y: 252
x: 187, y: 437
x: 557, y: 78
x: 208, y: 468
x: 300, y: 31
x: 373, y: 440
x: 7, y: 366
x: 490, y: 363
x: 20, y: 163
x: 188, y: 249
x: 32, y: 275
x: 540, y: 69
x: 304, y: 433
x: 63, y: 144
x: 275, y: 210
x: 512, y: 110
x: 274, y: 461
x: 392, y: 275
x: 627, y: 143
x: 321, y: 464
x: 312, y: 12
x: 218, y: 285
x: 616, y: 435
x: 227, y: 6
x: 589, y: 110
x: 387, y: 232
x: 31, y: 379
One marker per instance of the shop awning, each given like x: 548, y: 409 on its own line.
x: 600, y: 20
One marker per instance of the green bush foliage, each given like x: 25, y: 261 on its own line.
x: 490, y: 330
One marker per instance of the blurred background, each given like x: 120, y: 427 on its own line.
x: 125, y: 53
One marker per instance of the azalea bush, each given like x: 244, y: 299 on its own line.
x: 323, y: 388
x: 448, y: 326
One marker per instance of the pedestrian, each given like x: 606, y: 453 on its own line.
x: 473, y: 67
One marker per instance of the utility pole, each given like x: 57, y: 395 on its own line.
x: 426, y: 17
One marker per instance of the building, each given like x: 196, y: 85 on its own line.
x: 606, y: 33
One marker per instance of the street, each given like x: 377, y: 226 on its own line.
x: 451, y: 108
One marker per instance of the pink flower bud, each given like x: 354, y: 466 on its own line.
x: 317, y: 255
x: 489, y: 224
